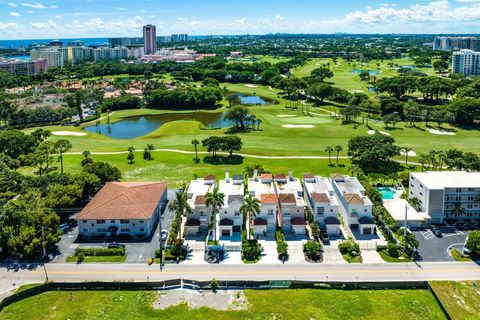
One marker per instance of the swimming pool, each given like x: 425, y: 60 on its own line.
x: 387, y: 192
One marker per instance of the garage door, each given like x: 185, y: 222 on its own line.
x: 191, y: 231
x: 226, y: 233
x: 367, y: 230
x: 354, y: 226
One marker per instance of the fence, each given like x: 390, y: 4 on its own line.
x: 391, y: 236
x: 222, y: 284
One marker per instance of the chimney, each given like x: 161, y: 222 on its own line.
x: 290, y: 174
x: 255, y: 173
x: 227, y: 176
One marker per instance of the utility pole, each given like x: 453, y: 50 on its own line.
x: 405, y: 230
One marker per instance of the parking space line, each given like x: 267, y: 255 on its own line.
x: 427, y: 234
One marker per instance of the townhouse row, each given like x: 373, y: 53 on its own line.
x: 134, y: 208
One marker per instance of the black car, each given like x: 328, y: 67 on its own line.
x: 437, y: 232
x: 116, y: 245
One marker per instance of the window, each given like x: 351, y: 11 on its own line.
x: 270, y: 211
x: 142, y: 230
x: 237, y: 213
x: 85, y: 230
x: 320, y: 210
x: 226, y: 212
x: 124, y: 221
x: 100, y: 221
x: 133, y: 224
x: 84, y: 221
x: 101, y: 230
x: 365, y: 210
x: 141, y: 221
x: 124, y: 230
x: 112, y: 221
x: 411, y: 185
x: 201, y: 213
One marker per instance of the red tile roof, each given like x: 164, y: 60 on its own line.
x: 337, y: 177
x: 353, y: 198
x: 268, y: 198
x: 308, y: 176
x: 280, y: 176
x: 298, y: 222
x: 210, y: 177
x: 266, y: 176
x: 287, y: 198
x: 260, y: 222
x: 192, y: 222
x: 320, y: 197
x: 124, y: 200
x: 200, y: 200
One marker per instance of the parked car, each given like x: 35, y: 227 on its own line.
x: 116, y: 245
x: 64, y: 227
x: 437, y: 232
x: 163, y: 235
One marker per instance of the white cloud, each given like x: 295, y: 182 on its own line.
x: 14, y: 14
x: 121, y: 9
x: 38, y: 5
x: 50, y: 24
x: 13, y: 5
x: 30, y: 11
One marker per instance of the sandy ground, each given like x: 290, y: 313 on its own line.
x: 411, y: 153
x: 286, y: 115
x: 442, y: 132
x: 251, y: 86
x: 372, y: 132
x: 68, y: 133
x: 222, y: 300
x: 303, y: 126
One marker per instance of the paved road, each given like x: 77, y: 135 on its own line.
x: 140, y: 272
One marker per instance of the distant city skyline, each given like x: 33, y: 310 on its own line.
x: 107, y: 18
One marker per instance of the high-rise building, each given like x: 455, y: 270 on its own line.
x: 54, y: 57
x: 24, y: 68
x: 456, y: 43
x: 150, y: 39
x: 466, y: 62
x: 118, y: 42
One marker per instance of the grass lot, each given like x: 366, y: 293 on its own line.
x: 385, y: 256
x: 263, y: 304
x: 351, y: 259
x: 98, y: 259
x: 459, y: 298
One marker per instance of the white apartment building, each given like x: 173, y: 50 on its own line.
x: 447, y: 195
x: 291, y: 204
x: 262, y: 188
x: 320, y: 196
x: 53, y: 56
x: 355, y: 206
x: 230, y: 220
x: 123, y: 209
x: 466, y: 62
x: 199, y: 220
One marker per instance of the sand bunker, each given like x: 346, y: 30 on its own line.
x: 372, y: 132
x: 286, y: 115
x: 251, y: 86
x: 68, y: 133
x: 442, y: 132
x: 411, y: 153
x: 303, y: 126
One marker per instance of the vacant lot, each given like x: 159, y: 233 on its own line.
x: 265, y: 304
x: 460, y: 299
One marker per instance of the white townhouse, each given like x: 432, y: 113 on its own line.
x: 355, y: 206
x: 291, y: 204
x: 123, y: 209
x: 230, y: 220
x: 447, y: 195
x: 262, y: 188
x: 199, y: 220
x: 320, y: 196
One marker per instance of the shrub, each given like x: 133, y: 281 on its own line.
x: 312, y: 248
x: 80, y: 257
x: 214, y: 285
x: 349, y: 247
x: 100, y: 251
x: 392, y: 250
x: 251, y: 250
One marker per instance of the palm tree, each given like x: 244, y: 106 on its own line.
x: 406, y: 150
x: 442, y: 156
x: 458, y: 209
x: 248, y: 172
x: 423, y: 158
x: 181, y: 207
x: 214, y: 200
x: 195, y: 143
x: 249, y: 209
x: 131, y: 156
x: 329, y: 149
x: 409, y: 241
x: 62, y: 146
x: 338, y: 148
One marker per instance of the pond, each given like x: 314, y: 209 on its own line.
x: 134, y: 127
x: 252, y: 100
x: 370, y: 72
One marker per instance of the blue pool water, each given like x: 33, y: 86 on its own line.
x: 387, y: 192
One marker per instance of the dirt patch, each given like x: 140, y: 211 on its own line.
x: 222, y: 300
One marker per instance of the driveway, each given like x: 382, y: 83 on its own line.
x: 295, y: 248
x: 432, y: 248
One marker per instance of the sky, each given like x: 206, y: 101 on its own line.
x: 46, y: 19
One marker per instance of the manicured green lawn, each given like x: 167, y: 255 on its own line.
x: 460, y: 299
x: 388, y: 258
x: 458, y: 256
x: 262, y: 304
x: 350, y: 259
x: 99, y: 259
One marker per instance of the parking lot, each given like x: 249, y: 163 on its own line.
x: 433, y: 248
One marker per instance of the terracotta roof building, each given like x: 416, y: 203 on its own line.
x: 127, y: 208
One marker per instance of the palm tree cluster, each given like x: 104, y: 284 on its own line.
x: 330, y: 150
x: 452, y: 159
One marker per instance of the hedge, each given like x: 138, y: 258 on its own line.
x: 100, y: 251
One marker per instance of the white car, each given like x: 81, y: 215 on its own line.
x: 164, y: 234
x: 465, y: 249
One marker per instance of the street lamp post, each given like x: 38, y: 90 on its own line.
x: 405, y: 230
x: 160, y: 239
